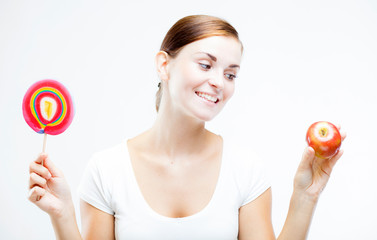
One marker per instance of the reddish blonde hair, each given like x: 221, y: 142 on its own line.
x: 190, y: 29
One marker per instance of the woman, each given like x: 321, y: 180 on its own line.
x: 178, y: 180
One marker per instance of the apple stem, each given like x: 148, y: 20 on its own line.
x: 323, y: 132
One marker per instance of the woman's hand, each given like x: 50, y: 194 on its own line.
x: 313, y: 172
x: 48, y: 188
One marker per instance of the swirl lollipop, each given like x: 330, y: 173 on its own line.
x: 48, y: 108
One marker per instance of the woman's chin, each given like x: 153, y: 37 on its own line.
x: 205, y: 116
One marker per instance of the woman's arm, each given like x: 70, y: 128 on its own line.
x: 255, y: 219
x: 300, y: 213
x: 311, y: 178
x: 96, y: 224
x: 65, y: 226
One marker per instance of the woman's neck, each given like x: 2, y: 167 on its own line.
x: 177, y: 136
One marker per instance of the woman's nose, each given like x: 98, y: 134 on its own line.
x: 217, y: 81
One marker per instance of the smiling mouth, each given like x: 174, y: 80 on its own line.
x: 207, y: 97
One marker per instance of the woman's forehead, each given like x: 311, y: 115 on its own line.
x: 218, y: 47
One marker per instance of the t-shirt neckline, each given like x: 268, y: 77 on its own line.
x: 151, y: 211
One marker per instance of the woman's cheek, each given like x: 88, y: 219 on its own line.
x: 229, y: 90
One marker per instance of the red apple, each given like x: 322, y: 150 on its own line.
x: 324, y: 138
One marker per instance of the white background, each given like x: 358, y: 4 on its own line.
x: 304, y: 61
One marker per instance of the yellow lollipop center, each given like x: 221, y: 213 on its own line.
x: 48, y: 109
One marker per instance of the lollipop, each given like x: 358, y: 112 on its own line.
x: 48, y: 108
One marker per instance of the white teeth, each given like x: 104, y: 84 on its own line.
x: 207, y: 97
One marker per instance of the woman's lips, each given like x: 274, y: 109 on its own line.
x: 208, y: 97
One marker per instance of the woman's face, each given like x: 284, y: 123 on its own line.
x: 202, y: 76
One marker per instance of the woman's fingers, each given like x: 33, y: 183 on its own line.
x: 41, y: 157
x: 342, y: 133
x: 332, y: 161
x: 47, y: 170
x: 55, y: 172
x: 307, y: 158
x: 36, y: 193
x: 39, y: 175
x: 36, y: 180
x: 36, y: 167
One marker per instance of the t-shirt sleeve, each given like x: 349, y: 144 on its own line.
x: 256, y: 180
x: 249, y: 172
x: 93, y: 188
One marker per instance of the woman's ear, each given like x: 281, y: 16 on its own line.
x: 162, y: 60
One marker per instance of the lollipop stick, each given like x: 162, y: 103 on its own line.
x: 43, y: 151
x: 44, y: 144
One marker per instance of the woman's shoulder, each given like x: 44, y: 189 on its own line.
x: 243, y: 160
x: 241, y: 153
x: 248, y: 170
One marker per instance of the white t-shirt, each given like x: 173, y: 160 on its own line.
x: 109, y: 184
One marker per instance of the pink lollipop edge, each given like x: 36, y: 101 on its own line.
x: 50, y: 130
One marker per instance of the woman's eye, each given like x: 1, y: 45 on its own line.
x: 230, y: 76
x: 205, y: 66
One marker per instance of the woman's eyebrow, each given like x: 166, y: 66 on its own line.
x: 213, y: 58
x: 234, y: 66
